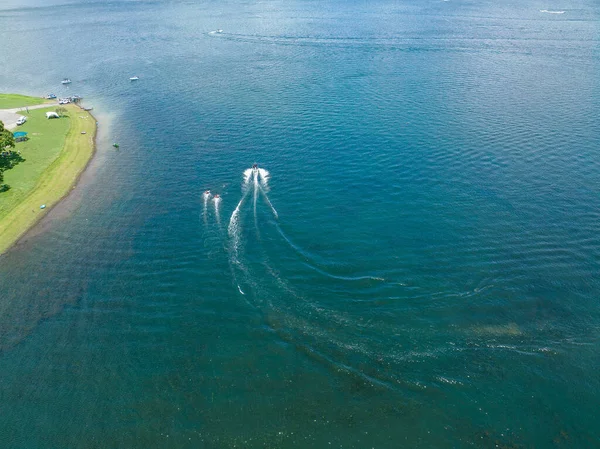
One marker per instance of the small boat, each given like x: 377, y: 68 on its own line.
x: 66, y: 81
x: 134, y: 78
x: 116, y: 145
x: 50, y: 97
x: 88, y: 108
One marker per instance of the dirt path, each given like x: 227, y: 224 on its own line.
x: 10, y: 116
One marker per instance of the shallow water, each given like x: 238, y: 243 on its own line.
x: 419, y: 270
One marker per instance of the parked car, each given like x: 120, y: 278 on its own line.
x: 21, y: 120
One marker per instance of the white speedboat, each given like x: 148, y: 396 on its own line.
x: 134, y: 78
x: 66, y: 81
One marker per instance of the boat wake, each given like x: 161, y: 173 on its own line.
x: 205, y: 199
x: 306, y: 315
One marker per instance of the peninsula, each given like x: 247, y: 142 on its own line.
x: 53, y: 154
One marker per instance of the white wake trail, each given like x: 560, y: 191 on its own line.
x: 217, y: 201
x: 255, y: 196
x: 264, y: 176
x: 266, y: 197
x: 247, y: 177
x: 234, y: 227
x: 205, y: 197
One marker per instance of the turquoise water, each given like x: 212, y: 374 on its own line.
x: 429, y: 277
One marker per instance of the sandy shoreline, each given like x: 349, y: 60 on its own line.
x: 16, y: 237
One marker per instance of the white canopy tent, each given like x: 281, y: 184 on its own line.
x: 52, y: 115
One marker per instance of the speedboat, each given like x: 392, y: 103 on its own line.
x: 50, y: 97
x: 134, y: 78
x: 66, y: 81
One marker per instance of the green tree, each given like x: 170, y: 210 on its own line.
x: 8, y: 158
x: 7, y: 140
x: 61, y: 111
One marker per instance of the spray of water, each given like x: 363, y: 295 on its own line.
x: 205, y: 197
x: 254, y: 180
x: 248, y: 173
x: 217, y: 201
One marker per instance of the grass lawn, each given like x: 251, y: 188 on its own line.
x: 55, y: 154
x: 10, y: 101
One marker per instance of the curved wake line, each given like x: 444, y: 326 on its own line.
x: 268, y: 202
x: 310, y: 258
x: 344, y: 278
x: 234, y: 229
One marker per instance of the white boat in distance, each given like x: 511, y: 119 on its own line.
x: 134, y: 78
x: 66, y: 81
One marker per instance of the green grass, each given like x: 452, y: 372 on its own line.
x: 55, y: 154
x: 46, y: 140
x: 10, y: 101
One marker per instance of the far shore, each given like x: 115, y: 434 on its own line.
x: 24, y: 207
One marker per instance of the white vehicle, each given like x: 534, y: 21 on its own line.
x: 64, y: 101
x: 21, y: 120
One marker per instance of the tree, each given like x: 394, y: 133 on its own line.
x: 8, y: 158
x: 7, y: 140
x: 61, y: 111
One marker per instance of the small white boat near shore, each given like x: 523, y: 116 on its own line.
x: 66, y: 81
x: 134, y: 78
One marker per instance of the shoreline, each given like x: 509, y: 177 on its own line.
x: 12, y: 218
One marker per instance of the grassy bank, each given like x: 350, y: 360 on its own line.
x: 55, y: 155
x: 10, y: 101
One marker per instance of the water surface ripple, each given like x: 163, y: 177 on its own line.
x: 419, y: 269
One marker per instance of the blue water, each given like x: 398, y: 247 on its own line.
x: 430, y: 277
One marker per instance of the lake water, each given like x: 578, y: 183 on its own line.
x: 419, y: 269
